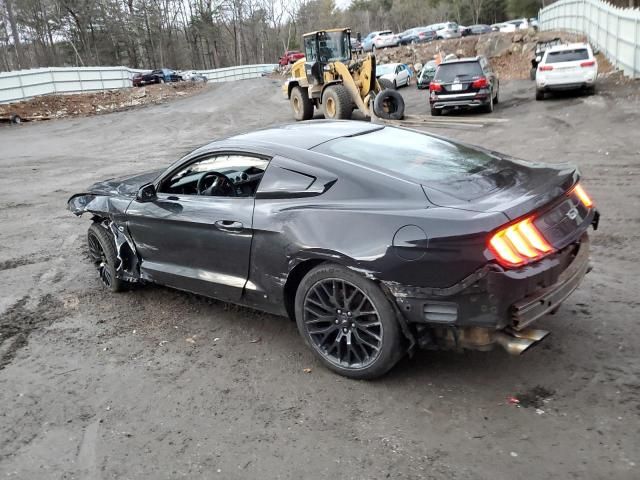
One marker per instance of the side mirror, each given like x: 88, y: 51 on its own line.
x: 147, y: 193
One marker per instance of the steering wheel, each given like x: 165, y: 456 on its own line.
x: 221, y: 185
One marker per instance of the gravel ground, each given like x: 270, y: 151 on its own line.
x: 161, y: 384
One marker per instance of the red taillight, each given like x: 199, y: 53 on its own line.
x: 588, y: 64
x: 546, y: 68
x: 582, y: 195
x: 519, y: 243
x: 435, y: 87
x: 481, y: 82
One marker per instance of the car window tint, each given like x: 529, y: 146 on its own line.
x: 449, y: 72
x: 443, y: 164
x: 243, y: 172
x: 568, y: 55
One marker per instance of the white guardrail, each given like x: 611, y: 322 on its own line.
x: 615, y: 31
x: 24, y: 84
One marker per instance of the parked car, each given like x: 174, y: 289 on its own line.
x: 193, y: 76
x: 289, y: 57
x: 367, y: 42
x: 396, y: 74
x: 520, y: 23
x: 446, y: 30
x: 504, y: 27
x: 426, y: 75
x: 385, y: 40
x: 374, y: 239
x: 162, y: 75
x: 478, y: 29
x: 567, y: 67
x: 464, y: 83
x: 416, y: 35
x: 538, y: 53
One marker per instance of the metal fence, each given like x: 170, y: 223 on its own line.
x: 615, y: 31
x: 24, y: 84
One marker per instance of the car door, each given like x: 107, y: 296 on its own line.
x: 200, y: 242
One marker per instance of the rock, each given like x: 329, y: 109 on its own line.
x: 494, y: 45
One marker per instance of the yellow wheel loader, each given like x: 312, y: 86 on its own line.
x: 330, y: 80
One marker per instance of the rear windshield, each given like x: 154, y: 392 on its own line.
x: 568, y: 55
x: 440, y: 164
x: 449, y: 72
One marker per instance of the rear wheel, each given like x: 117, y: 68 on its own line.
x: 436, y: 112
x: 348, y: 322
x: 103, y: 254
x: 336, y: 102
x: 301, y: 104
x: 539, y: 95
x: 488, y: 108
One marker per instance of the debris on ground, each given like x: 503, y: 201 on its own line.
x: 46, y: 107
x: 536, y: 398
x: 306, y: 370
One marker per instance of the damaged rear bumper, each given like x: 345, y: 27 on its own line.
x: 493, y: 301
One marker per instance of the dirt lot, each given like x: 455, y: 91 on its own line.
x: 161, y: 384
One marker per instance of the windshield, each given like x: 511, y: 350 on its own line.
x: 568, y: 55
x: 441, y: 164
x: 448, y: 72
x: 334, y: 46
x: 385, y: 69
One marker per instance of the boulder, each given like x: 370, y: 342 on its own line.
x: 492, y: 46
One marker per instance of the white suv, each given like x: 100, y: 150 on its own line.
x: 566, y: 67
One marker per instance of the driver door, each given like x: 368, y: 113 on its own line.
x: 200, y: 242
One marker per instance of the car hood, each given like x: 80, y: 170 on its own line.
x: 515, y: 188
x: 125, y: 186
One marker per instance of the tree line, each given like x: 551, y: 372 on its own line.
x: 205, y: 34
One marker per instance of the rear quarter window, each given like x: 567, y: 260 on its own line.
x: 449, y: 72
x: 568, y: 55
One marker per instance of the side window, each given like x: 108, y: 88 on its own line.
x: 233, y: 175
x: 310, y: 48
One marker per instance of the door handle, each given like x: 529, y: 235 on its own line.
x: 228, y: 225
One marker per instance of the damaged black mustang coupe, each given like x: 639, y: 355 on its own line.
x: 375, y: 239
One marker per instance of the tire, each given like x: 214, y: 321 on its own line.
x: 384, y: 83
x: 488, y: 108
x: 15, y: 119
x: 395, y: 85
x: 591, y: 90
x: 389, y: 105
x: 496, y: 99
x: 532, y: 73
x: 344, y: 338
x: 161, y: 80
x: 336, y: 102
x: 102, y: 252
x: 436, y: 112
x: 539, y: 95
x: 301, y: 104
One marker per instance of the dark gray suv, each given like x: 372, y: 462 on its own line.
x: 464, y: 83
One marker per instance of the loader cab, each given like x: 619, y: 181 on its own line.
x: 325, y: 47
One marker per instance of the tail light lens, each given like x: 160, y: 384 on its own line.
x: 546, y: 68
x: 481, y: 82
x: 582, y: 195
x: 435, y: 87
x: 518, y: 244
x: 588, y: 64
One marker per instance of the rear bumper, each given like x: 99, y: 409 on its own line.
x: 496, y: 299
x: 469, y: 100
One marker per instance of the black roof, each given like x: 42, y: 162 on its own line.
x: 306, y: 135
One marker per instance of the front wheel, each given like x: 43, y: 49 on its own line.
x: 102, y: 252
x: 348, y: 322
x: 336, y: 102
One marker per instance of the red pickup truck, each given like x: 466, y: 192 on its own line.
x: 290, y: 56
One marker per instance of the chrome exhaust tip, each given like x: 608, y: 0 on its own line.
x: 516, y: 343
